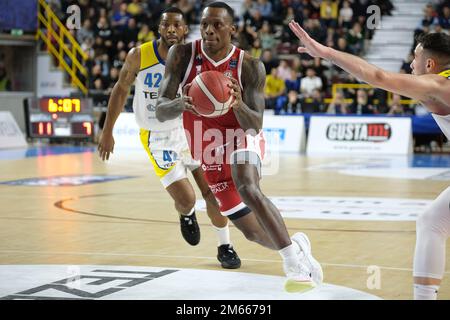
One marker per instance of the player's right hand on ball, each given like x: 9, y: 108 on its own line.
x: 188, y: 100
x: 106, y: 145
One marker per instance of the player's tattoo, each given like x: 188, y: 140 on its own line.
x: 168, y: 106
x: 250, y: 116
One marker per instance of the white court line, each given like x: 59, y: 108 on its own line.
x: 191, y: 257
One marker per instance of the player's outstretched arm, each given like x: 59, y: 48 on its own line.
x: 423, y: 88
x: 168, y: 105
x: 249, y: 104
x: 117, y: 101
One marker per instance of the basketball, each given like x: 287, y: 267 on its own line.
x: 210, y: 94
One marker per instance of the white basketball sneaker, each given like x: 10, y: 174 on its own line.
x: 298, y: 278
x: 306, y: 257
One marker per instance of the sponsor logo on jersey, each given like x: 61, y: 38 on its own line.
x: 219, y: 187
x: 372, y: 132
x: 150, y: 95
x: 212, y: 167
x: 233, y: 63
x: 228, y: 74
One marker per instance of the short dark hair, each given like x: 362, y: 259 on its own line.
x: 223, y: 5
x: 174, y: 10
x: 437, y: 43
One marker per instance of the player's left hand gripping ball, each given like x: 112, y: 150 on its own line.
x: 236, y: 93
x: 187, y: 100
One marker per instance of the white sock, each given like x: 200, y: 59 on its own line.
x: 425, y: 292
x: 290, y: 254
x: 223, y: 235
x: 190, y: 212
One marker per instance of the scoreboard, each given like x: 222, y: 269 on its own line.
x: 59, y: 117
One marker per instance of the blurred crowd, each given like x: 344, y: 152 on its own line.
x: 294, y: 83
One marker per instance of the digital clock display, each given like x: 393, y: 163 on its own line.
x: 60, y: 117
x: 61, y: 105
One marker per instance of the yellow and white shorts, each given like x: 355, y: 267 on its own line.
x: 169, y: 153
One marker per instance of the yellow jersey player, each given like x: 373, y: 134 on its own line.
x: 165, y: 143
x: 429, y: 84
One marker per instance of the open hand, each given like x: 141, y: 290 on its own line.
x: 106, y: 145
x: 310, y: 46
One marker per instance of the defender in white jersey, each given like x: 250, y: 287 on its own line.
x: 429, y: 84
x: 166, y: 143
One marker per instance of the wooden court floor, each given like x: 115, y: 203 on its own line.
x: 132, y: 222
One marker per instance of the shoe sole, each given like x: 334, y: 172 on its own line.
x: 315, y: 264
x: 192, y: 242
x: 230, y: 266
x: 293, y: 286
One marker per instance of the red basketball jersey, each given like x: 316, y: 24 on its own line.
x: 230, y: 66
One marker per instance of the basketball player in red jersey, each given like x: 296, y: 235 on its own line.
x: 429, y: 84
x: 234, y: 179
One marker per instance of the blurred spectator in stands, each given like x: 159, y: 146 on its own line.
x: 292, y: 103
x: 386, y: 6
x: 265, y: 8
x: 296, y: 64
x: 120, y: 18
x: 355, y: 39
x: 320, y: 68
x: 145, y: 34
x: 5, y: 82
x: 406, y: 65
x: 346, y: 15
x: 428, y: 21
x: 119, y: 60
x: 315, y: 30
x: 135, y: 9
x: 439, y: 29
x: 257, y: 20
x: 103, y: 62
x: 310, y: 83
x: 187, y: 6
x: 274, y: 89
x: 395, y: 107
x: 104, y: 31
x: 313, y: 104
x: 284, y: 70
x: 342, y: 45
x: 267, y: 37
x: 290, y: 15
x: 338, y: 105
x: 269, y: 61
x: 98, y: 85
x: 444, y: 19
x: 256, y: 50
x: 86, y: 32
x: 246, y: 35
x: 361, y: 104
x: 317, y: 101
x: 96, y: 73
x: 111, y: 80
x: 56, y: 6
x: 293, y: 82
x: 247, y: 10
x: 329, y: 13
x: 130, y: 37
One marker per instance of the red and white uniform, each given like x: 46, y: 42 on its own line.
x: 214, y: 141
